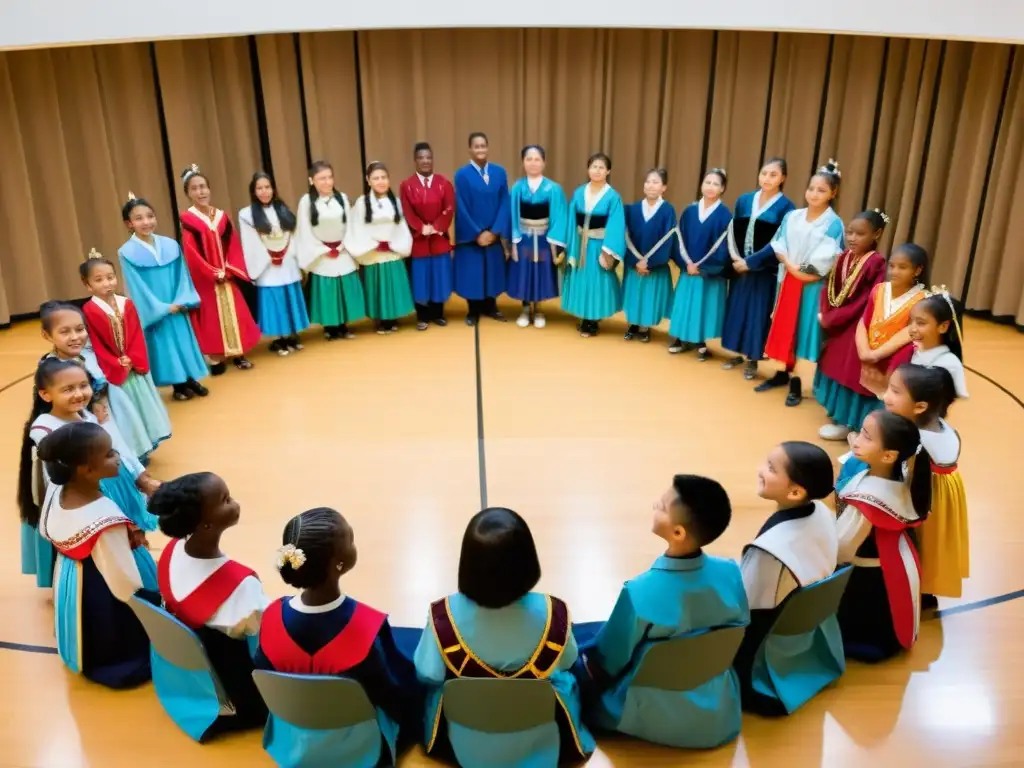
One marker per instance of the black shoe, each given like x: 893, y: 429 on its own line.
x: 796, y: 395
x: 182, y: 392
x: 630, y: 333
x: 195, y: 388
x: 929, y: 602
x: 780, y: 379
x: 645, y: 335
x: 471, y: 320
x: 332, y: 334
x: 496, y: 315
x: 218, y: 369
x: 293, y: 343
x: 439, y: 321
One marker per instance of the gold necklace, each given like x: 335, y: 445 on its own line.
x: 849, y: 283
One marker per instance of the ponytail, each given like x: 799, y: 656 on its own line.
x: 921, y: 483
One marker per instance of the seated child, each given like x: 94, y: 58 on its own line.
x: 324, y: 632
x: 686, y: 592
x: 220, y: 599
x: 796, y: 547
x: 496, y: 627
x: 881, y: 609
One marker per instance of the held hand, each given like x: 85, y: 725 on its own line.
x: 125, y: 361
x: 515, y: 252
x: 642, y: 268
x: 692, y: 269
x: 557, y: 256
x: 137, y: 538
x: 780, y: 258
x: 740, y: 266
x: 222, y: 277
x: 428, y: 230
x: 604, y: 260
x: 174, y: 309
x: 147, y: 484
x: 481, y: 240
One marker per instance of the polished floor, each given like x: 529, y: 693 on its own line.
x: 408, y: 434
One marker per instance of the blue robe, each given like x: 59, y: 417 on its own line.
x: 534, y: 277
x: 748, y: 309
x: 479, y: 273
x: 698, y: 309
x: 647, y: 299
x: 591, y: 292
x: 153, y: 285
x: 503, y: 638
x: 677, y: 597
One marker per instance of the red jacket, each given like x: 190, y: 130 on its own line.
x: 434, y: 205
x: 114, y: 336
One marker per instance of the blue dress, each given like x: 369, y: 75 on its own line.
x: 647, y: 299
x: 698, y: 310
x: 156, y: 278
x: 677, y: 597
x: 481, y: 204
x: 591, y: 292
x: 539, y: 219
x: 748, y: 309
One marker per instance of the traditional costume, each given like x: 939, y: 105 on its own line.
x: 677, y: 597
x: 157, y: 279
x: 884, y: 316
x: 531, y: 639
x: 335, y: 291
x: 597, y: 224
x: 380, y: 245
x: 881, y: 609
x: 698, y: 309
x: 271, y: 259
x: 942, y: 539
x: 941, y: 357
x: 795, y: 548
x: 651, y: 237
x: 539, y: 220
x: 213, y: 252
x: 97, y: 572
x: 748, y: 308
x: 429, y: 200
x: 481, y: 205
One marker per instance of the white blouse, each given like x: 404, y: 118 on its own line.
x: 314, y: 256
x: 362, y: 238
x: 256, y: 248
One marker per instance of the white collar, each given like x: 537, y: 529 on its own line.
x: 297, y: 604
x: 211, y: 223
x: 704, y: 211
x: 425, y: 180
x: 889, y: 496
x: 107, y: 309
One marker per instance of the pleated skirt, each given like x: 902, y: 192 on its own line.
x: 431, y: 278
x: 842, y: 404
x: 335, y: 301
x: 129, y: 422
x: 647, y: 299
x: 591, y: 292
x: 943, y: 539
x: 142, y: 392
x: 282, y: 310
x: 388, y: 294
x: 808, y: 329
x: 698, y: 309
x: 534, y: 277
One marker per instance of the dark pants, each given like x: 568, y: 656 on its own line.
x: 426, y: 313
x: 479, y: 307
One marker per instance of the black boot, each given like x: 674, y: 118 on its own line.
x: 780, y: 379
x: 796, y: 395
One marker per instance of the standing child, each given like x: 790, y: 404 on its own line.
x: 101, y: 563
x: 880, y: 611
x: 539, y: 221
x: 379, y: 239
x: 116, y: 336
x: 223, y: 321
x: 698, y: 309
x: 850, y: 283
x: 595, y: 243
x: 652, y: 242
x: 937, y: 337
x: 752, y: 288
x: 271, y: 258
x: 160, y: 287
x: 806, y: 246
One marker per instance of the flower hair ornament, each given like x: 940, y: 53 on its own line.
x: 131, y: 196
x: 941, y: 290
x: 831, y: 167
x: 94, y: 254
x: 291, y: 555
x: 192, y: 170
x: 883, y: 215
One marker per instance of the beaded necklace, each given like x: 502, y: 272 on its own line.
x: 850, y: 280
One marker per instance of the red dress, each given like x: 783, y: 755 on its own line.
x: 223, y: 323
x: 434, y: 205
x: 116, y: 332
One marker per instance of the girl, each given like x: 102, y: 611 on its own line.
x: 379, y: 239
x: 116, y: 336
x: 937, y: 337
x: 213, y: 252
x: 698, y: 309
x: 161, y: 288
x: 540, y: 216
x: 652, y: 241
x: 882, y: 331
x: 324, y: 632
x: 335, y: 290
x: 271, y: 259
x: 595, y: 242
x: 496, y: 627
x: 806, y: 246
x: 850, y: 283
x: 220, y: 599
x: 880, y: 610
x: 753, y: 282
x: 100, y: 561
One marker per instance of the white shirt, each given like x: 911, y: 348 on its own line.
x: 313, y: 254
x: 758, y: 207
x: 425, y: 180
x: 256, y: 248
x: 704, y: 211
x: 362, y: 238
x: 648, y: 209
x: 534, y: 184
x: 941, y: 357
x: 297, y: 604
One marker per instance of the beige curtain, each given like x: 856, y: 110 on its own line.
x: 282, y: 101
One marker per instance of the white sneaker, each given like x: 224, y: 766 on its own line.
x: 835, y: 432
x: 524, y: 319
x: 539, y: 321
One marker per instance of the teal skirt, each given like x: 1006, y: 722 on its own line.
x: 335, y: 301
x: 842, y: 404
x: 388, y: 295
x: 647, y: 298
x: 698, y: 310
x: 591, y: 292
x: 808, y: 329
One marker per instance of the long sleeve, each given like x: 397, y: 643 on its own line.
x: 444, y: 221
x: 514, y: 199
x: 427, y: 659
x: 717, y: 260
x: 257, y: 259
x: 359, y: 239
x: 311, y: 250
x: 835, y: 319
x: 112, y: 554
x: 241, y: 613
x: 413, y: 219
x: 151, y: 309
x: 203, y: 273
x: 613, y: 647
x: 134, y: 339
x: 780, y: 240
x: 400, y: 240
x: 615, y: 229
x: 558, y: 216
x: 186, y: 295
x: 466, y: 229
x: 764, y: 259
x: 669, y: 250
x: 502, y: 224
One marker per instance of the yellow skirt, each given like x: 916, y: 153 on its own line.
x: 942, y: 538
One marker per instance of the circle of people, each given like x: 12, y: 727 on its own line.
x: 813, y: 588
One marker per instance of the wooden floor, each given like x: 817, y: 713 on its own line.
x: 580, y: 437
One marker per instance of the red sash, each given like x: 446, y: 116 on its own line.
x: 781, y: 344
x: 335, y: 251
x: 349, y: 648
x: 81, y: 549
x: 206, y: 599
x: 277, y: 257
x: 940, y: 469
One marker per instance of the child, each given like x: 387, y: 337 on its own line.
x: 806, y: 246
x: 271, y: 258
x: 483, y: 225
x: 882, y: 332
x: 379, y: 239
x: 796, y: 547
x: 937, y: 337
x: 161, y: 289
x: 652, y: 242
x: 685, y: 593
x: 850, y: 283
x: 119, y: 343
x: 100, y: 563
x: 335, y: 291
x: 324, y: 632
x: 222, y: 321
x: 540, y: 217
x: 595, y: 243
x: 881, y: 609
x: 496, y: 627
x: 753, y: 284
x: 698, y: 309
x: 220, y: 599
x: 428, y: 200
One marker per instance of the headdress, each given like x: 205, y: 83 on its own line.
x: 192, y: 170
x: 831, y: 167
x: 883, y: 214
x: 131, y: 196
x: 372, y: 163
x: 291, y: 555
x: 94, y: 254
x: 940, y: 290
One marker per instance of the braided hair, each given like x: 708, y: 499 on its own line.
x: 377, y: 165
x: 259, y: 216
x: 67, y: 448
x: 314, y: 214
x: 179, y: 504
x: 900, y: 434
x: 314, y: 532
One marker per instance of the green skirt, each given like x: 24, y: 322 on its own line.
x: 388, y: 295
x: 335, y: 301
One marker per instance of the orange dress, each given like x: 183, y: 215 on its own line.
x: 884, y: 317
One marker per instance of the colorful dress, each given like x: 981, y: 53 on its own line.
x: 651, y: 235
x: 943, y: 540
x: 884, y: 317
x: 539, y: 220
x: 380, y: 245
x: 271, y: 259
x: 597, y: 224
x: 698, y: 309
